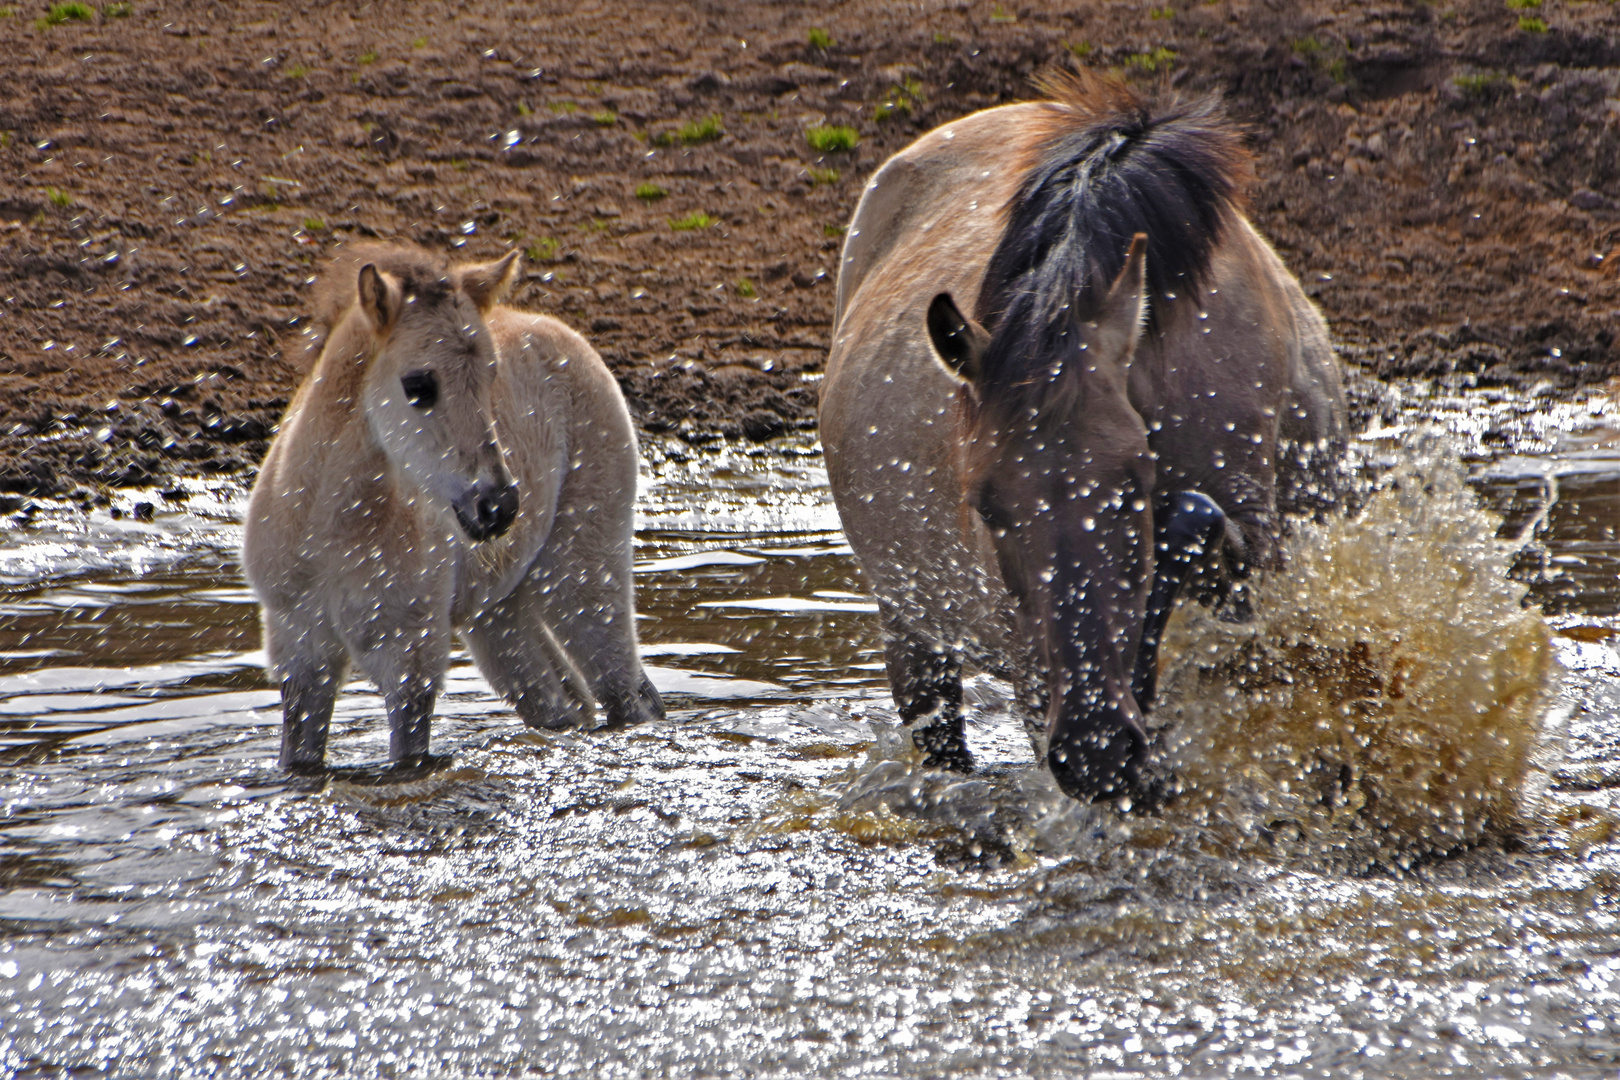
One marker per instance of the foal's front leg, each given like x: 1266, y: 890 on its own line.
x: 407, y: 664
x: 310, y: 660
x: 308, y: 693
x: 410, y: 719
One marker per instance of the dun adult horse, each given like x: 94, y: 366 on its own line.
x: 448, y: 464
x: 1064, y: 367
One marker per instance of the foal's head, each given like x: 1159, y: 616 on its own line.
x: 427, y: 390
x: 1058, y: 469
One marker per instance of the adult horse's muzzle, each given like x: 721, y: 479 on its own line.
x: 1098, y: 756
x: 1099, y: 743
x: 486, y: 510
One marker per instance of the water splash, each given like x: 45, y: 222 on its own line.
x: 1390, y: 687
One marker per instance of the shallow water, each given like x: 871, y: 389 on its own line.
x: 766, y: 884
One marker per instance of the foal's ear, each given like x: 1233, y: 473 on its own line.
x: 379, y: 297
x: 487, y: 283
x: 958, y: 340
x: 1118, y: 323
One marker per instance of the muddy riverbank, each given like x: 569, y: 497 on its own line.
x: 1444, y: 177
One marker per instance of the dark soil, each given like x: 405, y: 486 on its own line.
x: 1446, y: 183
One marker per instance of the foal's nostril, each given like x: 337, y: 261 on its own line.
x: 497, y: 509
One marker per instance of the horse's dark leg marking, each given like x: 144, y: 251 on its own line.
x: 410, y: 718
x: 927, y: 686
x: 1186, y: 527
x: 307, y: 697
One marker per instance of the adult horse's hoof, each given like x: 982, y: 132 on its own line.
x: 943, y: 746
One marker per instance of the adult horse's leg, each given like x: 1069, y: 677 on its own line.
x: 519, y: 655
x: 1187, y: 527
x: 927, y: 686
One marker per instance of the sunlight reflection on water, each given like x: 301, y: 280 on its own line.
x: 767, y: 884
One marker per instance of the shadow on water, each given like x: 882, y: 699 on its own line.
x: 769, y: 883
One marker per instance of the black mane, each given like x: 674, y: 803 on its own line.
x: 1115, y: 165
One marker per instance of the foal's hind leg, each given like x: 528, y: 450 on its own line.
x: 519, y: 655
x: 927, y: 686
x: 584, y: 581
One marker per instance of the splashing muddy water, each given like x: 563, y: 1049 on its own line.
x: 767, y: 884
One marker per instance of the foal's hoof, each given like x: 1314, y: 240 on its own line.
x: 943, y: 748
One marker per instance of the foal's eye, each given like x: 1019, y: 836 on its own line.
x: 421, y: 388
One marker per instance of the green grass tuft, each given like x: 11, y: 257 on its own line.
x: 369, y: 56
x: 695, y: 220
x: 314, y: 224
x: 1156, y: 62
x: 831, y: 231
x: 561, y: 108
x: 693, y: 132
x: 117, y: 11
x: 57, y: 14
x: 419, y: 43
x: 745, y: 289
x: 1530, y: 24
x: 1523, y: 5
x: 1481, y: 85
x: 829, y: 139
x: 823, y: 176
x: 903, y: 98
x: 1080, y: 49
x: 605, y: 118
x: 647, y: 191
x: 297, y: 71
x: 58, y: 197
x: 820, y: 39
x: 1161, y: 13
x: 542, y: 250
x: 999, y: 14
x: 524, y: 110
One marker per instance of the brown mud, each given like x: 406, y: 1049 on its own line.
x: 1444, y: 177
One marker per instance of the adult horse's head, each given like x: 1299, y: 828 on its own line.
x: 1061, y: 474
x: 428, y: 389
x: 1057, y: 461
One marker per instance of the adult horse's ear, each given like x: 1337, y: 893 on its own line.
x: 958, y: 340
x: 1118, y: 322
x: 379, y: 297
x: 487, y: 283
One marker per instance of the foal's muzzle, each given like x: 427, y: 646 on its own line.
x: 487, y: 510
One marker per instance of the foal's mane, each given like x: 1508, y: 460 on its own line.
x: 421, y: 273
x: 1112, y: 164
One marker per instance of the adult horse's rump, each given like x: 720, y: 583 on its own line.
x: 1140, y: 379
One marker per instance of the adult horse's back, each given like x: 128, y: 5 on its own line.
x: 1138, y: 379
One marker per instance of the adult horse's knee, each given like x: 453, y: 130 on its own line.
x: 1098, y: 756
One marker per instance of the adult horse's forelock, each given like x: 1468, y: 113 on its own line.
x: 1112, y: 165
